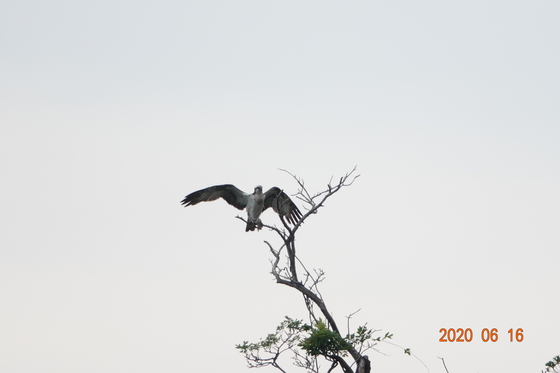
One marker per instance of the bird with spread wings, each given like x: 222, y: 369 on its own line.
x: 254, y: 203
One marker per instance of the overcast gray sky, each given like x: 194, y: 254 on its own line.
x: 112, y: 111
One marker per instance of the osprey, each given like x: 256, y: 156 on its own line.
x: 255, y: 203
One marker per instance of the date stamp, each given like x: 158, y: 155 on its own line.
x: 486, y: 335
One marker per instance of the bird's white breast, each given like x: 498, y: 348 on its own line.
x: 255, y: 205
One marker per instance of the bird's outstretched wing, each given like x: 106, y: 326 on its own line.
x: 228, y: 192
x: 282, y: 204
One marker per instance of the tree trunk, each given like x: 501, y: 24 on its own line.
x: 363, y: 365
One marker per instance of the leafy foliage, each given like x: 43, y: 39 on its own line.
x: 286, y: 337
x: 553, y: 365
x: 325, y: 342
x: 307, y: 342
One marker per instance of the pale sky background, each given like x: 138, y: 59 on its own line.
x: 112, y: 111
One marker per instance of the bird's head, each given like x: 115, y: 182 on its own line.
x: 258, y: 189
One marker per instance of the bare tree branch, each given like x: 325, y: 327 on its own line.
x: 286, y: 267
x: 443, y: 361
x: 310, y: 292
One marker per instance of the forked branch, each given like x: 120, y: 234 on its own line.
x: 285, y: 267
x: 288, y: 275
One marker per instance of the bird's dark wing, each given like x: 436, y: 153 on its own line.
x: 230, y: 193
x: 282, y: 204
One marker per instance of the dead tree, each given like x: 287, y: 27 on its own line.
x: 322, y: 336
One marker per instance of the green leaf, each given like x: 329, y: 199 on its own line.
x: 323, y: 341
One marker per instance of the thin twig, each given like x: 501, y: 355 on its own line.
x: 443, y: 361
